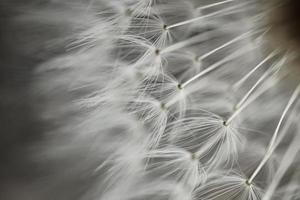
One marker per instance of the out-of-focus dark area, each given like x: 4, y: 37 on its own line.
x: 21, y: 50
x: 19, y: 125
x: 27, y: 40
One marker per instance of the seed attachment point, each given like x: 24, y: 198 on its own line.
x: 165, y: 27
x: 157, y: 52
x: 179, y: 86
x: 248, y: 182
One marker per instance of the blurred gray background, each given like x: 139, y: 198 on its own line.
x: 22, y: 50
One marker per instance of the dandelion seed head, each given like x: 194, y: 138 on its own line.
x: 172, y: 100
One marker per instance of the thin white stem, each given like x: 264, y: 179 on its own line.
x: 260, y: 80
x: 286, y: 162
x: 237, y: 112
x: 285, y: 128
x: 189, y: 21
x: 230, y: 57
x: 242, y: 80
x: 193, y: 40
x: 272, y: 143
x: 214, y: 4
x: 254, y: 96
x: 204, y: 37
x: 236, y: 39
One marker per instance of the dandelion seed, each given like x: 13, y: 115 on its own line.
x: 178, y: 164
x: 154, y: 115
x: 206, y: 136
x: 228, y: 186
